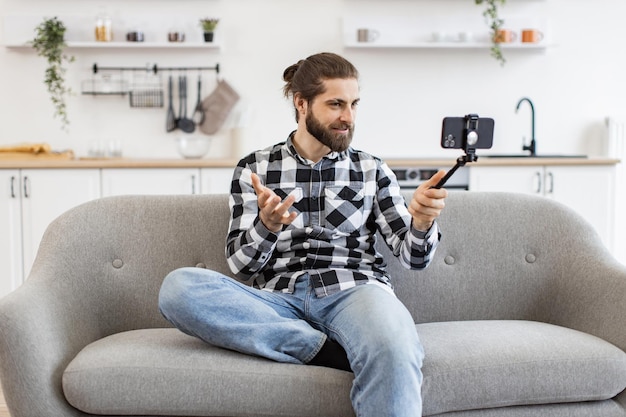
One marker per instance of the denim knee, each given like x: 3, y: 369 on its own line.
x: 173, y: 289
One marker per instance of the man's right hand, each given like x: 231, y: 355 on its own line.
x: 273, y: 213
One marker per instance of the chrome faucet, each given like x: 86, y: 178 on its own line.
x: 533, y: 144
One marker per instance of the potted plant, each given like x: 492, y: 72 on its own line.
x: 495, y: 23
x: 49, y: 43
x: 208, y: 26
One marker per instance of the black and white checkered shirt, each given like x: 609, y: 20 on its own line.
x: 341, y: 202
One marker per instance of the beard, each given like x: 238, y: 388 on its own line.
x: 326, y: 135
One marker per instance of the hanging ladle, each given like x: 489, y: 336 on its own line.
x: 184, y: 124
x: 198, y: 113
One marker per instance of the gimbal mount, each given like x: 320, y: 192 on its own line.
x: 470, y: 138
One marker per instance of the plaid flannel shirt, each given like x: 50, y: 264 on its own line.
x: 341, y: 201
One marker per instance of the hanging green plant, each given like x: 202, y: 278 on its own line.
x: 49, y: 43
x: 495, y: 23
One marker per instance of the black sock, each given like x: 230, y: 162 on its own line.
x: 332, y: 355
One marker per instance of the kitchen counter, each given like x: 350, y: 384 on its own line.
x: 230, y: 163
x: 117, y: 163
x: 486, y: 161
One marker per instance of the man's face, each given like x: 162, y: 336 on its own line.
x: 330, y: 116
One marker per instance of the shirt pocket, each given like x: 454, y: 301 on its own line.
x: 344, y: 207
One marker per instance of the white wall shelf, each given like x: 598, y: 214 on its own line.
x: 445, y: 45
x: 453, y: 32
x: 19, y: 30
x: 128, y: 45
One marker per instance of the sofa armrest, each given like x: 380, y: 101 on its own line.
x: 39, y: 335
x: 591, y: 293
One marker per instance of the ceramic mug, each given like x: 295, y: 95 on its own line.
x: 367, y: 35
x: 505, y: 36
x: 532, y: 36
x: 465, y: 37
x: 438, y: 37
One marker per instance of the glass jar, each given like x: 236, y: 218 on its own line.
x: 104, y: 30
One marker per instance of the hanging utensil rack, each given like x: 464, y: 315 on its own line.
x: 110, y: 85
x: 155, y: 68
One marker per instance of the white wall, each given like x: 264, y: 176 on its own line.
x: 575, y: 83
x: 405, y: 92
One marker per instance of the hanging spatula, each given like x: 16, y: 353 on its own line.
x: 184, y: 124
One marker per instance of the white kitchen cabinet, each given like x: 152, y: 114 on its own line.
x: 126, y: 181
x: 216, y: 180
x: 589, y: 190
x: 31, y: 199
x: 11, y: 265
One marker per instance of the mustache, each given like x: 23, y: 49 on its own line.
x: 342, y: 126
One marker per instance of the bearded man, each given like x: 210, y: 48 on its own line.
x: 305, y: 214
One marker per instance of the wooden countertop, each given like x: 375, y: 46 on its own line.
x: 487, y: 161
x: 43, y: 163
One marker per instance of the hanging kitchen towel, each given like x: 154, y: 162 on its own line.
x: 217, y: 106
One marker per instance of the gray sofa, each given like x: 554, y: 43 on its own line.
x: 522, y: 313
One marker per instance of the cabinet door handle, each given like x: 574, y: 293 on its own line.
x: 539, y: 186
x: 550, y: 189
x: 13, y: 187
x: 193, y: 184
x: 26, y: 186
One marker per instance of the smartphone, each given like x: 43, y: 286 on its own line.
x: 467, y: 133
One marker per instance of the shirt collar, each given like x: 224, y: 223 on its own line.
x: 332, y: 156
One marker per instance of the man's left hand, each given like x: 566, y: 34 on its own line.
x: 427, y: 202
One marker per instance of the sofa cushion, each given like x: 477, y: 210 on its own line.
x: 468, y: 365
x: 166, y: 372
x: 487, y: 364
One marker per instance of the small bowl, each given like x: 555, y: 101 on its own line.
x: 135, y: 36
x: 193, y: 147
x: 176, y: 36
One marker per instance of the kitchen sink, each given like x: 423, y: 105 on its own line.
x: 535, y: 156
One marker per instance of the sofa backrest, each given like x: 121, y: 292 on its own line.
x: 499, y: 257
x: 502, y: 256
x: 114, y: 252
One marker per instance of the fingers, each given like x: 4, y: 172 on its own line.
x: 431, y: 197
x: 256, y: 184
x: 262, y: 192
x: 427, y: 202
x: 274, y: 213
x: 434, y: 180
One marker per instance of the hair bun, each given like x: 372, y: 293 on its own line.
x: 291, y: 71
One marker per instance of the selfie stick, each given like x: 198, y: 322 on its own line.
x: 470, y: 138
x: 462, y: 160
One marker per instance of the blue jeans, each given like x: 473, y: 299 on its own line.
x: 373, y: 326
